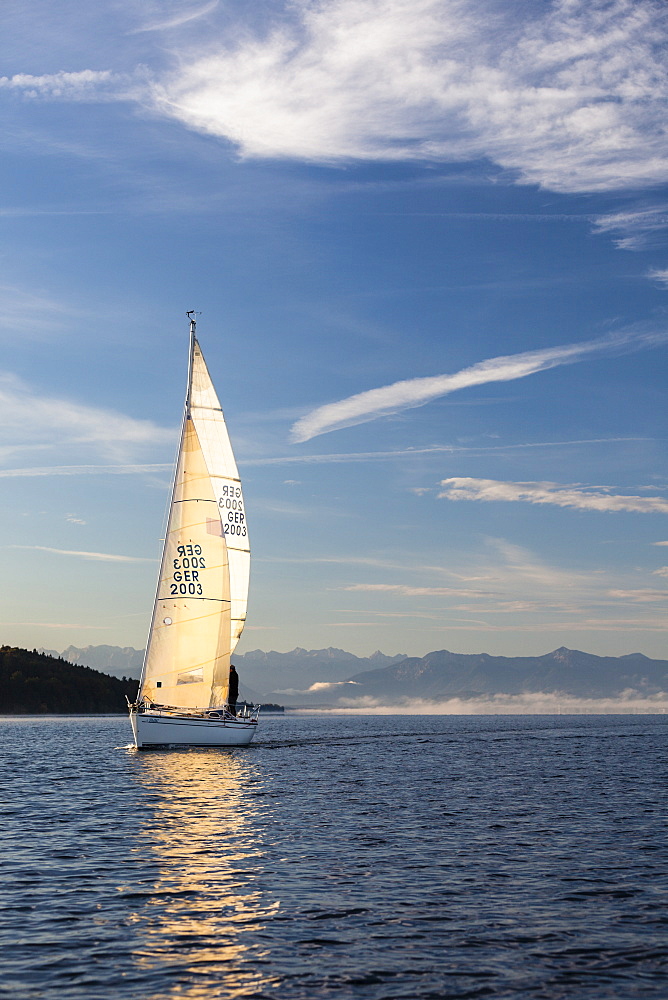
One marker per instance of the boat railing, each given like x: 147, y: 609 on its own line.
x: 247, y: 713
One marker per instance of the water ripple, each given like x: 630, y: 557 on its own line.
x: 377, y: 858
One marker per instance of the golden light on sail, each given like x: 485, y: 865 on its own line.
x: 189, y: 652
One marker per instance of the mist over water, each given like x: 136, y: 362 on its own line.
x: 372, y: 857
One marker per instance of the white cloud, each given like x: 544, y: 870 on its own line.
x: 570, y: 95
x: 73, y: 519
x: 643, y: 596
x: 319, y: 686
x: 87, y: 83
x: 184, y: 15
x: 83, y: 470
x: 32, y: 312
x: 404, y: 590
x: 374, y: 403
x: 461, y: 488
x: 60, y: 625
x: 96, y: 556
x: 334, y: 458
x: 32, y: 420
x: 637, y: 229
x: 660, y: 275
x: 504, y: 589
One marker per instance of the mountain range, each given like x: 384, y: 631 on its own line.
x: 333, y: 677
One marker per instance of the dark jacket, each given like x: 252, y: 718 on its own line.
x: 233, y: 692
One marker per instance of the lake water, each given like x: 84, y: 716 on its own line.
x: 344, y: 857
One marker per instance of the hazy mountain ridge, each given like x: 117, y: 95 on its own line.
x: 442, y: 674
x: 335, y: 677
x: 261, y: 671
x: 276, y: 673
x: 118, y: 661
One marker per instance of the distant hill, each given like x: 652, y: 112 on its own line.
x: 32, y: 682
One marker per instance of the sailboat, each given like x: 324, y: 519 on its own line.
x: 200, y: 604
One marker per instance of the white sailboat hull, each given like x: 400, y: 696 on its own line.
x: 152, y: 730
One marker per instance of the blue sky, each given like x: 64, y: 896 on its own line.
x: 428, y: 243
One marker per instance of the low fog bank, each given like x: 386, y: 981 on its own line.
x: 534, y: 703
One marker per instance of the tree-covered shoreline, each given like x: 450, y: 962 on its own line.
x: 33, y: 683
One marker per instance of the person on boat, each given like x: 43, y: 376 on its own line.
x: 233, y: 691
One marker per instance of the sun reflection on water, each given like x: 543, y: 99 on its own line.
x: 197, y: 929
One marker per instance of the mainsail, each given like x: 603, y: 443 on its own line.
x: 200, y: 606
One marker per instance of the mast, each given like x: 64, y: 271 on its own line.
x: 193, y: 327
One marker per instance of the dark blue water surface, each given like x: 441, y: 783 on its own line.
x: 375, y: 857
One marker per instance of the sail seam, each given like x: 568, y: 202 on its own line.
x: 193, y: 597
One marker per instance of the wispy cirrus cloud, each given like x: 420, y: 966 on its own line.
x: 641, y: 596
x: 660, y: 275
x: 493, y: 490
x: 85, y: 84
x: 389, y: 399
x: 32, y: 420
x: 507, y: 588
x: 335, y: 458
x: 95, y: 556
x: 65, y: 625
x: 636, y: 229
x: 405, y: 590
x: 183, y: 15
x: 29, y: 311
x: 84, y: 470
x: 570, y: 95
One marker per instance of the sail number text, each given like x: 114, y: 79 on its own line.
x: 232, y: 502
x: 186, y: 570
